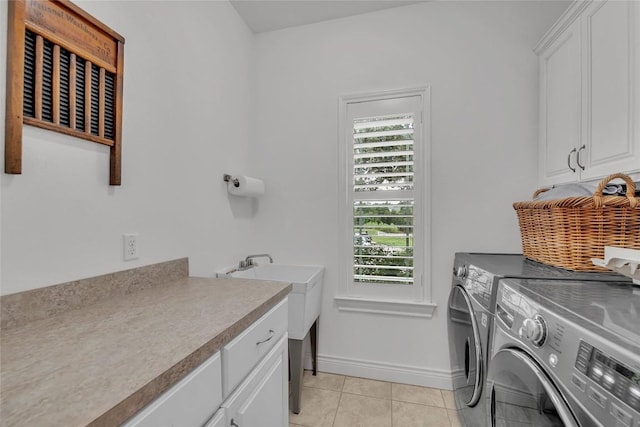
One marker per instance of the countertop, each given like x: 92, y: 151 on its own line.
x: 99, y: 364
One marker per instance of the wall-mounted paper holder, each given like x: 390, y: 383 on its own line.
x: 244, y: 186
x: 228, y: 178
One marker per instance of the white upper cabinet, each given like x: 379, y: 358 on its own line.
x: 610, y: 32
x: 589, y: 94
x: 560, y: 100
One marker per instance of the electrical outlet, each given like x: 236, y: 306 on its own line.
x: 130, y: 246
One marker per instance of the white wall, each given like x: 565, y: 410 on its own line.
x: 477, y: 58
x: 186, y: 103
x: 186, y: 126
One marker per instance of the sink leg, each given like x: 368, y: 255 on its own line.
x: 296, y: 362
x: 313, y: 335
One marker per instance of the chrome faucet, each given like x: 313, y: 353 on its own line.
x: 248, y: 261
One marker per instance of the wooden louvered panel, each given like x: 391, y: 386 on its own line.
x: 64, y: 88
x: 29, y: 74
x: 72, y: 91
x: 95, y: 100
x: 109, y: 105
x: 39, y: 76
x: 61, y: 91
x: 80, y: 73
x: 101, y: 104
x: 69, y: 83
x: 55, y: 96
x: 47, y: 82
x: 87, y: 97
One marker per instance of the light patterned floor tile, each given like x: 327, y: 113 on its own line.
x: 449, y: 399
x: 365, y: 387
x: 414, y: 415
x: 323, y: 380
x: 335, y: 400
x: 454, y: 419
x: 416, y: 394
x: 363, y: 411
x: 317, y: 409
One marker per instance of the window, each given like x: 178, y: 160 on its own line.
x: 384, y: 203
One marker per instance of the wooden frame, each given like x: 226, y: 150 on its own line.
x: 69, y: 28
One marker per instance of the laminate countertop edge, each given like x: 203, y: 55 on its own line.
x: 101, y: 364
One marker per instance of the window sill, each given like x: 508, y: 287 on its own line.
x: 389, y: 307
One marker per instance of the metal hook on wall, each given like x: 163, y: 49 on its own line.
x: 228, y: 178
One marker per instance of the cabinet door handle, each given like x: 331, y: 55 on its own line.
x: 578, y: 157
x: 271, y: 332
x: 569, y: 160
x: 233, y: 423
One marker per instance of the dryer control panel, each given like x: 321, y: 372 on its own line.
x: 586, y: 363
x: 613, y: 376
x: 478, y: 283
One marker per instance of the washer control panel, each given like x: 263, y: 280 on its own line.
x: 596, y: 372
x: 609, y: 374
x: 534, y: 330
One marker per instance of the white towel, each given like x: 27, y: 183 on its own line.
x: 567, y: 190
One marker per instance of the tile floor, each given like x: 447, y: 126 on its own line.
x: 338, y: 401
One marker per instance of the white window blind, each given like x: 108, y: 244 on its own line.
x: 383, y: 165
x: 384, y: 196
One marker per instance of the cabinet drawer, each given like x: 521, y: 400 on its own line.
x: 190, y: 402
x: 262, y: 399
x: 247, y: 349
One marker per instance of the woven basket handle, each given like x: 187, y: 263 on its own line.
x: 539, y: 191
x: 631, y: 190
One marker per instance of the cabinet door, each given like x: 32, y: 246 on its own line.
x: 610, y: 106
x: 560, y: 108
x: 218, y: 420
x: 262, y: 398
x: 189, y: 403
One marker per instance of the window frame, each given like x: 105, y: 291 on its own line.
x: 413, y: 300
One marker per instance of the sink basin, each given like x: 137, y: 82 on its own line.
x: 305, y: 297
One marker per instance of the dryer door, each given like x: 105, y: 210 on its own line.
x: 465, y: 348
x: 522, y: 394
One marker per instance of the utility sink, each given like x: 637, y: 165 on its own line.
x: 304, y: 309
x: 305, y: 297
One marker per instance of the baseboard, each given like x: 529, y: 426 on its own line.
x: 403, y: 374
x: 459, y: 379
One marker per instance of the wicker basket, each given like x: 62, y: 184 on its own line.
x: 568, y: 232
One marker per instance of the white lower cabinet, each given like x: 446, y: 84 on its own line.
x: 190, y: 402
x: 218, y: 420
x: 244, y: 385
x: 261, y: 400
x: 246, y: 350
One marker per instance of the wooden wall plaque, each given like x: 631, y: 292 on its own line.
x: 64, y: 73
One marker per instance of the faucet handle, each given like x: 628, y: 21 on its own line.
x: 242, y: 264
